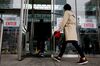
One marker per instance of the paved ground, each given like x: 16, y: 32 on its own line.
x: 11, y: 60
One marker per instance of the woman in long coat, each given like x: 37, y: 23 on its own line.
x: 68, y: 25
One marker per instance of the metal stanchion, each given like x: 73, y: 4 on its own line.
x: 20, y: 31
x: 52, y: 21
x: 1, y: 33
x: 98, y: 19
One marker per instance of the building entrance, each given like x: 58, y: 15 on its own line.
x: 87, y: 13
x: 40, y: 40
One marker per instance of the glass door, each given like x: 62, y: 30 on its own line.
x: 88, y: 25
x: 87, y: 14
x: 56, y: 16
x: 87, y: 22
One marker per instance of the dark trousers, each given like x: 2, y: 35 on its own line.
x: 41, y: 46
x: 75, y: 44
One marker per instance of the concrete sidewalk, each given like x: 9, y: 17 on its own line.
x: 11, y: 60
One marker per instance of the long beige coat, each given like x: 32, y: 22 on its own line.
x: 68, y: 24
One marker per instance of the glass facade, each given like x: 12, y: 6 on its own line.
x: 6, y: 4
x: 88, y: 22
x: 10, y: 40
x: 10, y: 33
x: 87, y: 18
